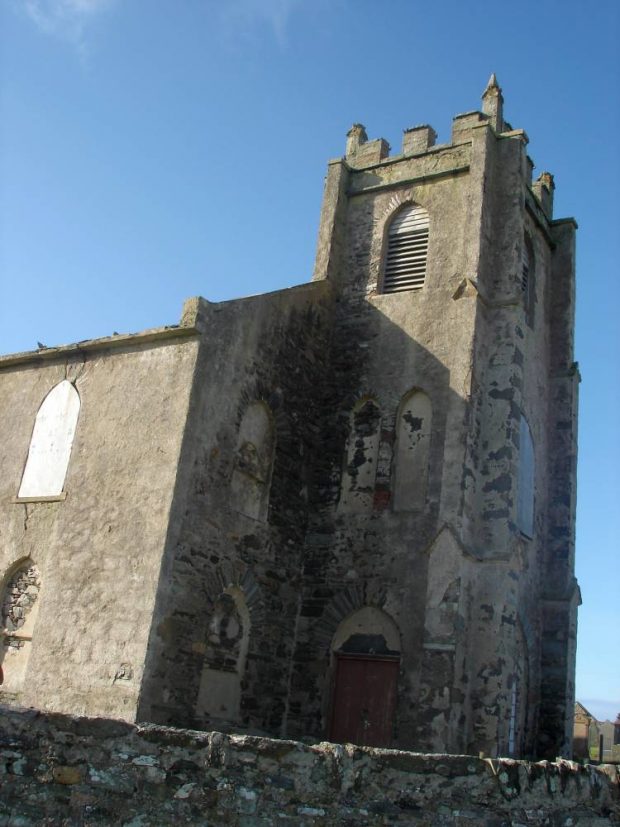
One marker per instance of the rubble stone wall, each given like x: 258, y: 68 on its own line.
x: 58, y: 769
x: 266, y: 351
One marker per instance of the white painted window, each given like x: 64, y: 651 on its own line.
x: 51, y: 442
x: 413, y: 440
x: 407, y: 248
x: 525, y: 497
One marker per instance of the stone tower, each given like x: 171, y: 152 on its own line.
x: 344, y: 510
x: 450, y: 511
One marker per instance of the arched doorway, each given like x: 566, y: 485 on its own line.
x: 19, y: 606
x: 366, y: 661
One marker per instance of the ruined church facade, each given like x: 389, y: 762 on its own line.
x: 340, y: 511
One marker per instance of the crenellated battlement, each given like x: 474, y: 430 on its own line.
x: 362, y: 153
x: 418, y: 139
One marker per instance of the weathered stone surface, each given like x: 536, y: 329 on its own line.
x: 289, y: 489
x: 98, y: 552
x: 122, y: 778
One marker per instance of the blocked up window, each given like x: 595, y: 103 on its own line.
x: 19, y: 611
x: 362, y: 452
x: 413, y: 439
x: 227, y: 641
x: 525, y: 497
x: 407, y: 248
x: 251, y: 478
x: 512, y: 723
x: 51, y: 442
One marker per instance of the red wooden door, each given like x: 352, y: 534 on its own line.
x: 364, y: 700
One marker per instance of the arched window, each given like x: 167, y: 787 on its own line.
x: 227, y: 641
x: 528, y: 280
x: 366, y: 651
x: 407, y: 248
x: 51, y: 442
x: 18, y: 615
x: 411, y: 456
x: 253, y: 463
x: 362, y: 451
x: 525, y: 497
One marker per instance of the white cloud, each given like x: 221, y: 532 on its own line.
x: 241, y: 17
x: 67, y: 19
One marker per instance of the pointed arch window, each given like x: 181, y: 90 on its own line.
x: 407, y: 250
x: 51, y: 443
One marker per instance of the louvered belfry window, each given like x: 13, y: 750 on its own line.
x: 407, y: 247
x: 525, y: 270
x: 528, y: 280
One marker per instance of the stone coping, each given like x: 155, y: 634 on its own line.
x: 118, y: 340
x: 63, y: 769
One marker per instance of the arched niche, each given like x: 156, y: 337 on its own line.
x: 361, y: 455
x: 226, y: 648
x: 411, y: 455
x: 253, y: 463
x: 366, y: 662
x: 51, y: 443
x: 18, y: 614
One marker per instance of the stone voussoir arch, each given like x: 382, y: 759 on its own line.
x: 236, y: 575
x: 342, y: 605
x: 273, y: 400
x: 381, y: 223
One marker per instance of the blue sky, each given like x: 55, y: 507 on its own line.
x: 151, y: 151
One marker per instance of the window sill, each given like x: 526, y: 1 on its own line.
x: 56, y: 498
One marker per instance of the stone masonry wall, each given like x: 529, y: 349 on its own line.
x: 97, y: 547
x: 267, y: 350
x: 383, y: 348
x: 465, y: 341
x: 57, y: 769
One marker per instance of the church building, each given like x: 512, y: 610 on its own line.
x: 341, y: 511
